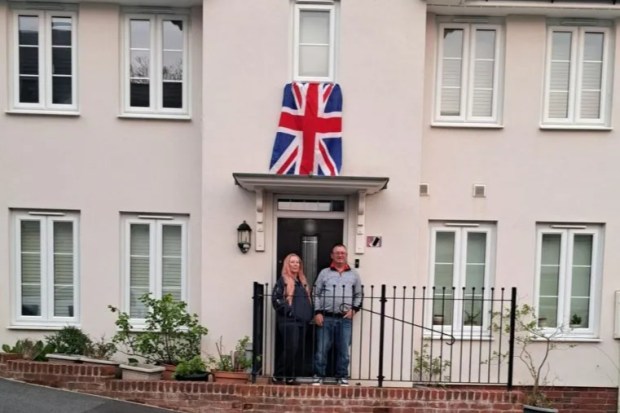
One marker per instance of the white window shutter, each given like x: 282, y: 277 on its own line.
x: 63, y: 257
x: 559, y: 76
x: 172, y: 253
x: 592, y: 75
x: 139, y: 268
x: 452, y: 72
x: 30, y: 231
x: 483, y: 72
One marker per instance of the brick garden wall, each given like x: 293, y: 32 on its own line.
x: 202, y: 397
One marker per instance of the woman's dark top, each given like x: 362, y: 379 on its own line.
x: 301, y: 308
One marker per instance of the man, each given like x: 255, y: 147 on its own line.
x: 337, y: 297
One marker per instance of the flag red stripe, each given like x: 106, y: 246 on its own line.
x: 288, y: 162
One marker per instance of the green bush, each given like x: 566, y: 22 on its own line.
x: 170, y: 333
x: 29, y: 349
x: 193, y: 366
x: 101, y: 349
x: 70, y: 340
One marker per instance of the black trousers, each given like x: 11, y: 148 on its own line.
x: 288, y: 360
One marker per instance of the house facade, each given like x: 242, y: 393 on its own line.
x: 478, y: 150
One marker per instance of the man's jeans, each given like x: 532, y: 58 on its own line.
x: 336, y: 331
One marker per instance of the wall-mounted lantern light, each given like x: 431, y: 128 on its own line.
x: 244, y: 237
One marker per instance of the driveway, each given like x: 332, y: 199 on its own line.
x: 16, y: 397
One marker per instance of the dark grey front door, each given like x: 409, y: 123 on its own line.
x: 311, y: 239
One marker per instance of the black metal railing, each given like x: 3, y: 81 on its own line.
x: 407, y: 334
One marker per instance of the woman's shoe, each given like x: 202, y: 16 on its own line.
x: 277, y: 380
x: 292, y: 382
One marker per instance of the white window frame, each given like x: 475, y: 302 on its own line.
x: 466, y: 116
x: 299, y: 8
x: 567, y: 232
x: 155, y: 108
x: 461, y: 230
x: 47, y: 318
x: 575, y: 87
x: 156, y: 223
x: 45, y: 62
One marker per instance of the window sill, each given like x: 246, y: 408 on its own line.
x: 42, y: 112
x: 41, y: 327
x: 577, y: 127
x: 466, y: 125
x: 155, y: 116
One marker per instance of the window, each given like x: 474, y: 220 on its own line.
x: 468, y: 73
x: 44, y: 61
x: 155, y: 252
x: 314, y: 42
x: 461, y: 273
x: 568, y: 276
x: 46, y: 268
x: 155, y: 68
x: 577, y: 80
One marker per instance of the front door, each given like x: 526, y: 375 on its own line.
x: 311, y: 239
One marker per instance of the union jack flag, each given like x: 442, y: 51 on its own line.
x: 309, y: 138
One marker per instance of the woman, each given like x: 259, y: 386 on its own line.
x: 291, y: 300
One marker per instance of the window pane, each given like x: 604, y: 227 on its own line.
x: 61, y: 61
x: 173, y: 95
x: 444, y: 259
x: 451, y: 76
x: 551, y: 245
x: 314, y: 61
x: 139, y: 268
x: 173, y: 65
x: 140, y: 64
x: 593, y: 46
x: 314, y: 27
x: 580, y: 308
x: 63, y: 301
x: 29, y: 60
x: 61, y: 31
x: 62, y: 90
x: 476, y: 247
x: 549, y: 280
x: 561, y: 46
x: 485, y: 44
x: 173, y: 34
x: 171, y: 261
x: 140, y: 93
x: 28, y: 30
x: 29, y: 89
x: 30, y: 245
x: 582, y: 249
x: 140, y: 34
x: 548, y: 310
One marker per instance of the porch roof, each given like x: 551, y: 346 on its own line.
x: 311, y: 184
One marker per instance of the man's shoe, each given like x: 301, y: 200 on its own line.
x: 277, y: 380
x: 292, y: 382
x: 317, y: 381
x: 343, y: 382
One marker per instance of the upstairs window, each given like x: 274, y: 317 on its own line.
x: 578, y: 83
x: 468, y: 73
x: 314, y: 42
x: 44, y: 61
x: 155, y: 64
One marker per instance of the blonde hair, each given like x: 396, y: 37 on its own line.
x: 289, y: 277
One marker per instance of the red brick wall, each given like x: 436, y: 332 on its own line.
x: 202, y: 397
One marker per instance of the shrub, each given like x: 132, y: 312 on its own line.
x: 233, y: 361
x: 193, y: 366
x: 70, y: 340
x: 101, y: 349
x: 170, y: 333
x: 29, y: 349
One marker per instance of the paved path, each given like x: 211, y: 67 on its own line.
x: 16, y: 397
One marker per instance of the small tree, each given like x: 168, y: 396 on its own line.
x: 529, y: 333
x: 170, y: 333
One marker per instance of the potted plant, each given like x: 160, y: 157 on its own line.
x: 27, y: 349
x: 530, y: 334
x: 575, y: 321
x: 169, y: 335
x: 192, y: 370
x: 231, y: 367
